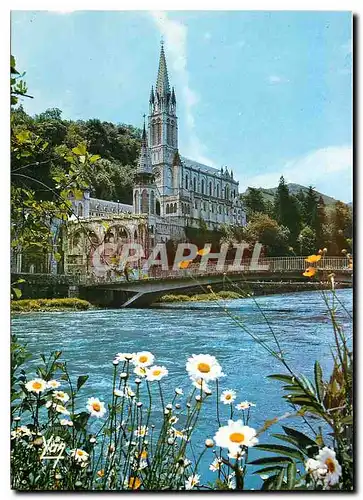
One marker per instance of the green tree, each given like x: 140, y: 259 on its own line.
x: 287, y: 211
x: 307, y: 241
x: 253, y: 201
x: 265, y: 230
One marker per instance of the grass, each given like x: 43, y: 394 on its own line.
x: 28, y: 305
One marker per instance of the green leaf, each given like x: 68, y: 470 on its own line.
x: 57, y: 256
x: 279, y: 480
x: 278, y: 448
x: 17, y: 292
x: 271, y: 460
x: 266, y: 470
x: 80, y: 149
x: 291, y: 476
x: 301, y: 438
x: 82, y: 379
x: 318, y: 374
x: 283, y: 378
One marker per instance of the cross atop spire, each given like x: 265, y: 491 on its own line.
x: 162, y: 82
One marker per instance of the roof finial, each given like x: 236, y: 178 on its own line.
x: 162, y: 41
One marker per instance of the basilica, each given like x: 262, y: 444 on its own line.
x: 171, y: 192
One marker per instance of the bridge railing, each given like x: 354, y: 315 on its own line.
x: 270, y: 265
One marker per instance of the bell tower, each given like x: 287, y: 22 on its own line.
x: 144, y: 201
x: 163, y: 128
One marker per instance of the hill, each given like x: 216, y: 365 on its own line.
x: 269, y: 193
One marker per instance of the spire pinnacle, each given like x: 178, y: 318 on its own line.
x: 162, y: 82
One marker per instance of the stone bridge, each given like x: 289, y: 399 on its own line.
x: 143, y: 288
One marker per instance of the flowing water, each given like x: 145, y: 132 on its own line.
x: 90, y: 339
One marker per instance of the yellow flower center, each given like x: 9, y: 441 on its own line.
x: 96, y: 406
x: 156, y: 372
x: 37, y: 385
x: 237, y: 437
x: 80, y: 453
x: 228, y: 396
x: 134, y: 483
x: 143, y: 359
x: 143, y: 454
x: 330, y: 464
x: 204, y: 367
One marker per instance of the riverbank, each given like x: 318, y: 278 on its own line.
x: 45, y: 305
x: 234, y: 291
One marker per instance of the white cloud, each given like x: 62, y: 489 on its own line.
x: 329, y: 170
x: 275, y: 79
x: 175, y: 36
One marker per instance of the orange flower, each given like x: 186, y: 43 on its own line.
x: 310, y: 272
x: 101, y: 473
x: 134, y: 483
x: 203, y: 251
x: 313, y: 258
x: 184, y: 264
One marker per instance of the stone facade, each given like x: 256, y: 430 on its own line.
x: 171, y: 192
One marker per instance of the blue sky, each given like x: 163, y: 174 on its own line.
x: 264, y: 93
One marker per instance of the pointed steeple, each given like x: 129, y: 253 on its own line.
x: 173, y: 100
x: 152, y: 97
x: 162, y: 82
x: 144, y: 163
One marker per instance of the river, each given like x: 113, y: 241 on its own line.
x: 90, y: 339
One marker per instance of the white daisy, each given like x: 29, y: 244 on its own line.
x: 143, y: 358
x: 37, y: 385
x: 53, y: 384
x: 216, y: 465
x: 192, y: 481
x: 61, y: 409
x: 325, y: 467
x: 62, y: 396
x: 96, y: 407
x: 140, y: 371
x: 203, y: 366
x: 156, y: 373
x: 66, y: 422
x: 179, y: 434
x: 79, y: 455
x: 21, y: 431
x: 201, y: 384
x: 141, y: 431
x: 244, y: 405
x: 234, y: 435
x: 173, y: 420
x: 125, y: 356
x: 227, y: 397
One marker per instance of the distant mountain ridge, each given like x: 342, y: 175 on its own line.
x: 269, y: 193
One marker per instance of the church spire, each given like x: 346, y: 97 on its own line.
x: 162, y: 82
x: 144, y: 164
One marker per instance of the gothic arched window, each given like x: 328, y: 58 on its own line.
x: 167, y: 208
x: 80, y: 210
x: 194, y: 184
x: 136, y: 202
x: 186, y: 181
x: 210, y: 188
x: 145, y: 202
x: 152, y: 202
x: 202, y: 186
x: 159, y: 132
x: 218, y: 191
x: 175, y: 208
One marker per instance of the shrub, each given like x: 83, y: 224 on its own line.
x: 27, y: 305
